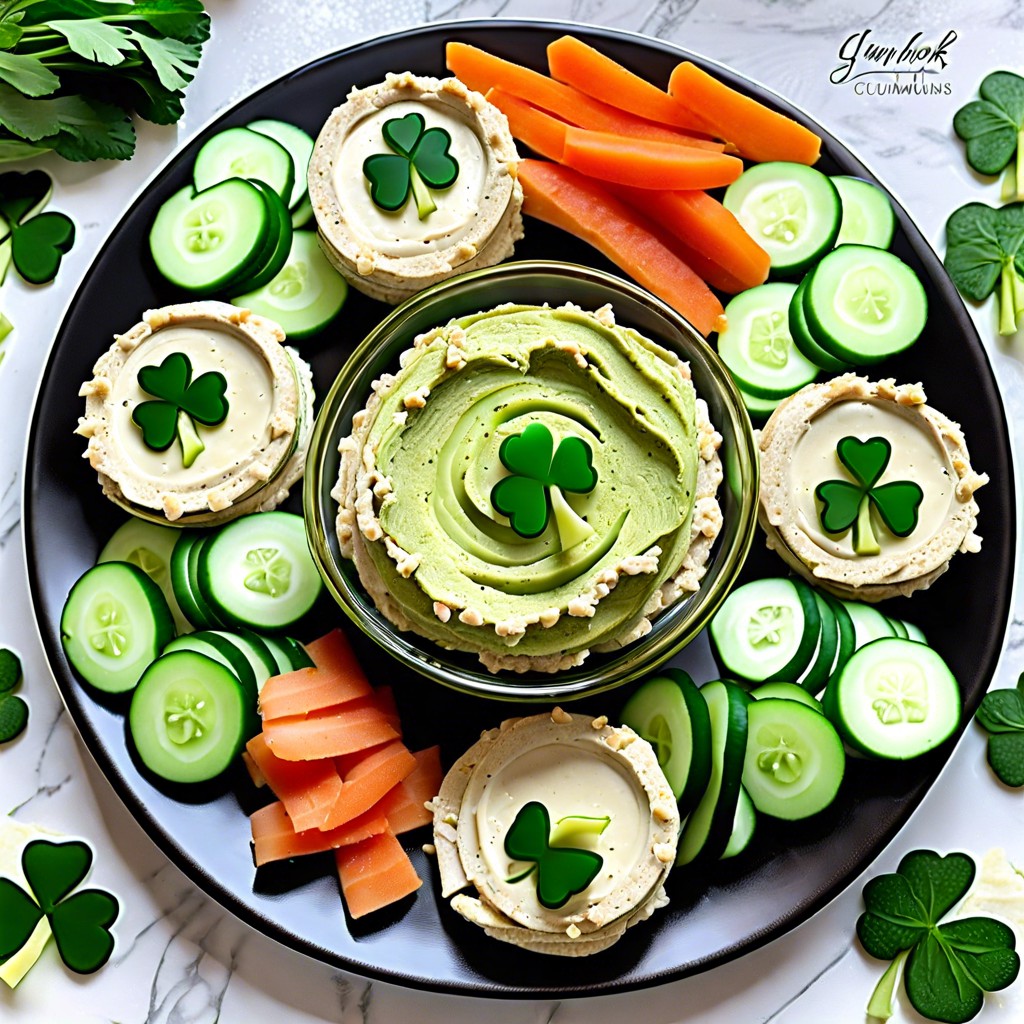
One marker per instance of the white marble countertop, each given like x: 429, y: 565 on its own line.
x: 180, y: 959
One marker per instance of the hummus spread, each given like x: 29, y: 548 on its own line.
x: 427, y: 456
x: 919, y: 450
x: 603, y: 791
x: 248, y: 453
x: 392, y: 253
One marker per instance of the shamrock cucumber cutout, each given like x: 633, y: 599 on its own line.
x: 13, y: 710
x: 846, y: 504
x: 534, y: 489
x: 562, y: 871
x: 80, y: 921
x: 1001, y: 715
x: 419, y: 162
x: 38, y: 241
x: 179, y: 401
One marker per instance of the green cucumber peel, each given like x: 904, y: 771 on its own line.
x: 948, y: 966
x: 1001, y: 714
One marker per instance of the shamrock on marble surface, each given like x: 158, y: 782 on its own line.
x: 538, y: 475
x: 35, y: 242
x: 80, y: 921
x: 13, y: 710
x: 562, y: 871
x: 179, y: 400
x: 947, y: 968
x: 846, y: 504
x: 1001, y: 714
x: 419, y: 159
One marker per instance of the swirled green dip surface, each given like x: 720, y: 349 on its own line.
x: 429, y: 454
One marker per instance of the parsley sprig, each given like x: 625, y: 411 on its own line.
x: 73, y: 71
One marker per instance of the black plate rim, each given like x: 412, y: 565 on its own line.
x: 186, y: 863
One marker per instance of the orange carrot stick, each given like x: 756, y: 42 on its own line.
x: 374, y: 874
x: 574, y: 62
x: 646, y: 164
x: 544, y: 134
x: 367, y: 780
x: 403, y: 806
x: 483, y: 71
x: 705, y: 226
x: 310, y: 738
x: 756, y: 131
x: 274, y: 837
x: 575, y: 203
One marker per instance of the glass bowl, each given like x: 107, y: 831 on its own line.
x: 534, y: 283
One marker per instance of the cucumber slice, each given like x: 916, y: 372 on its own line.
x: 257, y: 571
x: 302, y: 214
x: 188, y: 718
x: 213, y: 645
x: 795, y: 760
x: 815, y: 676
x: 300, y: 148
x: 898, y: 626
x: 868, y: 623
x: 847, y: 633
x: 241, y: 153
x: 279, y: 244
x: 786, y: 691
x: 669, y: 712
x: 864, y: 304
x: 868, y: 218
x: 767, y: 629
x: 802, y: 337
x: 742, y: 827
x: 914, y: 632
x: 148, y: 546
x: 307, y: 293
x: 707, y: 830
x: 757, y: 346
x: 255, y: 652
x: 758, y: 409
x: 184, y: 559
x: 203, y: 242
x: 289, y: 654
x: 114, y: 623
x: 792, y: 211
x: 894, y: 699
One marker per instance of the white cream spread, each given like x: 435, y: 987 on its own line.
x: 249, y: 394
x: 402, y: 233
x: 917, y: 455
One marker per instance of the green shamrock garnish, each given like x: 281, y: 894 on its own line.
x: 948, y: 967
x: 36, y: 242
x: 80, y: 922
x: 847, y: 504
x: 1001, y: 714
x: 562, y: 872
x: 180, y: 401
x: 13, y: 710
x: 529, y: 495
x: 419, y: 159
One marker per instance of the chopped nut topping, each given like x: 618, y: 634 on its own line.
x: 560, y: 717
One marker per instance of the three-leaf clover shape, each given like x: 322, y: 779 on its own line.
x: 948, y: 967
x: 1001, y: 714
x: 846, y: 504
x: 419, y: 159
x: 538, y: 473
x: 37, y: 241
x: 992, y: 127
x: 80, y: 921
x: 13, y: 710
x: 178, y: 401
x: 562, y: 872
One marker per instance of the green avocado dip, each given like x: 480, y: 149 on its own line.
x: 525, y: 486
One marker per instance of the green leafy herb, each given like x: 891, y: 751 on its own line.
x: 1001, y: 714
x: 846, y: 504
x: 179, y: 401
x: 562, y: 871
x: 537, y: 479
x: 993, y: 127
x: 948, y: 967
x: 80, y: 921
x: 13, y: 710
x: 419, y: 158
x: 38, y: 240
x: 983, y: 246
x: 73, y: 71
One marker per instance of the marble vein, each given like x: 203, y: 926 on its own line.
x: 44, y: 789
x: 814, y: 981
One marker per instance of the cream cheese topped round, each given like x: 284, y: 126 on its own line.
x: 402, y: 232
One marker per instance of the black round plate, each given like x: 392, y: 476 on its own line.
x: 793, y: 871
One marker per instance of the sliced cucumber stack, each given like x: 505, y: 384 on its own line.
x: 804, y: 339
x: 786, y: 691
x: 114, y: 623
x: 241, y: 153
x: 299, y: 145
x: 792, y: 211
x: 894, y: 699
x: 743, y: 826
x: 305, y: 295
x: 868, y: 217
x: 757, y: 346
